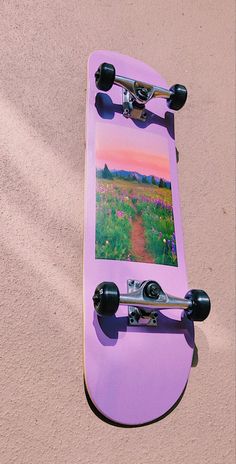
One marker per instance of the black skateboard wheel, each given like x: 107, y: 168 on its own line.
x: 178, y: 97
x: 106, y: 299
x: 105, y: 76
x: 201, y: 305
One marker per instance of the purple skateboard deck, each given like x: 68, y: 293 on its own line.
x: 133, y: 230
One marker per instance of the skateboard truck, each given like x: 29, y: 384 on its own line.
x: 145, y: 298
x: 135, y: 94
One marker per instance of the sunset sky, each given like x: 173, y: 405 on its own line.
x: 131, y: 149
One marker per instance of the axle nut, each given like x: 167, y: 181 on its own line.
x: 152, y: 290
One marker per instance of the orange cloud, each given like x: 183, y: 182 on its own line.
x: 132, y: 149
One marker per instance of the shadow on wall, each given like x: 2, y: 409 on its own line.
x: 107, y: 109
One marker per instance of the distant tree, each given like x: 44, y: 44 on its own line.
x: 106, y: 173
x: 162, y: 183
x: 144, y: 180
x: 153, y: 180
x: 99, y: 173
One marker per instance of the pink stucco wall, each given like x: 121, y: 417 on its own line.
x: 44, y: 415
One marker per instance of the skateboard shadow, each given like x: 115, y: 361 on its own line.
x: 107, y: 110
x: 108, y: 328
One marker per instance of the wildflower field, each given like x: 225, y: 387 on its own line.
x: 134, y: 222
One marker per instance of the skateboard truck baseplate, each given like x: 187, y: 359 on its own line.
x: 139, y: 315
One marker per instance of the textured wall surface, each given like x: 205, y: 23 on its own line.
x: 44, y: 415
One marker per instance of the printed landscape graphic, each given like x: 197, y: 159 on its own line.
x: 134, y: 216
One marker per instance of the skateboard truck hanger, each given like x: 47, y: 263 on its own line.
x: 145, y: 298
x: 135, y: 94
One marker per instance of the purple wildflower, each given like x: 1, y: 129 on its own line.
x: 120, y: 214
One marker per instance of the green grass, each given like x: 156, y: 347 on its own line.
x: 118, y: 203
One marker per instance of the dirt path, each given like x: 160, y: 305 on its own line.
x: 138, y: 242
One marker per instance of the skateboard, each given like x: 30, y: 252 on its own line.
x: 138, y: 313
